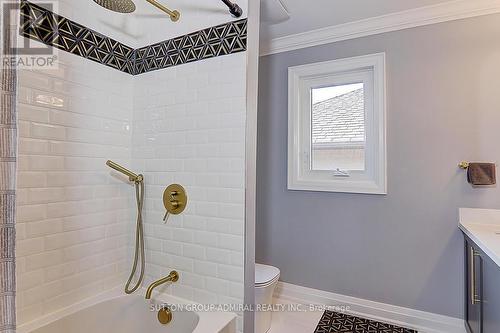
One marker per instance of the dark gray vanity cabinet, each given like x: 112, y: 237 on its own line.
x: 482, y: 291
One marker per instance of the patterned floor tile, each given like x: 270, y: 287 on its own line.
x: 334, y: 322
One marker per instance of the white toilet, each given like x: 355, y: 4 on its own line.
x: 266, y: 279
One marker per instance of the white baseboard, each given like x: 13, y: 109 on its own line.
x: 423, y: 322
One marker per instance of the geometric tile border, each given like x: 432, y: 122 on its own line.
x: 43, y: 25
x: 211, y: 42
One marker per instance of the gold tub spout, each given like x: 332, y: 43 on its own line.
x: 172, y: 277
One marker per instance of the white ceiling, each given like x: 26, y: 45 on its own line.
x: 311, y: 15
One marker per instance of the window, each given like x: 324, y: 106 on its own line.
x: 336, y: 119
x: 338, y: 127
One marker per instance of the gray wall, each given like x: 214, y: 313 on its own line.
x: 405, y: 248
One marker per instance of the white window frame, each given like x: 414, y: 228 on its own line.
x: 370, y: 70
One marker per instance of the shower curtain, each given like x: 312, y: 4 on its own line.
x: 8, y: 152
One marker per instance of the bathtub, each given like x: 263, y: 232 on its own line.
x: 130, y: 314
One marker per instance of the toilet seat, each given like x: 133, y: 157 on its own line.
x: 265, y: 275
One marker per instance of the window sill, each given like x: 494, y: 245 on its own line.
x: 338, y: 186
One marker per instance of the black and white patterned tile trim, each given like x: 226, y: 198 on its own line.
x: 212, y: 42
x: 54, y: 30
x: 334, y: 322
x: 41, y: 24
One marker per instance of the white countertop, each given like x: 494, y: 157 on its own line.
x: 482, y: 226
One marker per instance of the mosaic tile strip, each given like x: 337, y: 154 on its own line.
x: 212, y: 42
x: 333, y: 322
x: 8, y: 152
x: 41, y: 24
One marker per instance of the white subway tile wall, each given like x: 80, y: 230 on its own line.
x: 76, y: 218
x: 73, y: 213
x: 189, y: 128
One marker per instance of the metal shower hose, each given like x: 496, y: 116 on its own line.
x: 139, y: 240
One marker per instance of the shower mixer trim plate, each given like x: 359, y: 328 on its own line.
x: 174, y: 199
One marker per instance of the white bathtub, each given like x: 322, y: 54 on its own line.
x: 129, y: 314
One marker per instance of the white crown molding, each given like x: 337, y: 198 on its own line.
x: 424, y: 322
x: 448, y: 11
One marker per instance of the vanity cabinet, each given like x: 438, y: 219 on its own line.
x: 482, y: 291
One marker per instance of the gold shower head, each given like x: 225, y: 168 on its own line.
x: 119, y: 6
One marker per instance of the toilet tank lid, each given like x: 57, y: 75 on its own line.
x: 265, y: 273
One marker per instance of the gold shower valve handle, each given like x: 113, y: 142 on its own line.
x: 174, y: 200
x: 165, y: 218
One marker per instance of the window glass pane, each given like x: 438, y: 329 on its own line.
x: 338, y: 128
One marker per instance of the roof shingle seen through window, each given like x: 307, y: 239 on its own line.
x: 339, y: 120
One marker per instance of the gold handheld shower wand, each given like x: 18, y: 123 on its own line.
x: 131, y: 176
x: 139, y: 252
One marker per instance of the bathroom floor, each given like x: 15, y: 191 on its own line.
x: 295, y: 322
